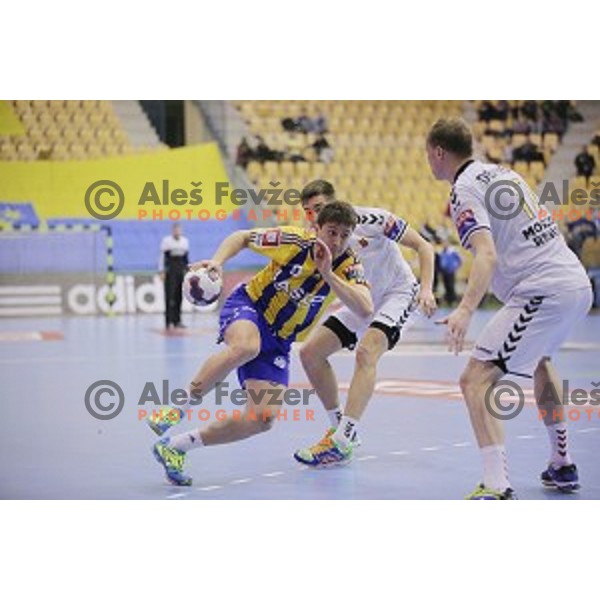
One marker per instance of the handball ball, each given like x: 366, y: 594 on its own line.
x: 202, y: 287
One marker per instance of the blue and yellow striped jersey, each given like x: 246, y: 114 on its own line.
x: 290, y: 291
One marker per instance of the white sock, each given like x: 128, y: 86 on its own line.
x: 345, y: 431
x: 495, y: 470
x: 186, y: 441
x: 557, y: 432
x: 335, y: 414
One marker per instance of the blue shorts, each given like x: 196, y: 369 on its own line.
x: 272, y: 364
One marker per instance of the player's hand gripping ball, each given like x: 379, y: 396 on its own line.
x: 202, y: 286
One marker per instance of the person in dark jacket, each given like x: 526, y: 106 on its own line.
x: 172, y: 266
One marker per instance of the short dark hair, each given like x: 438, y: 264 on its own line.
x: 317, y: 187
x: 338, y: 212
x: 453, y: 135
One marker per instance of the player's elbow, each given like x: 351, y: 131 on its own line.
x: 425, y: 249
x: 243, y: 237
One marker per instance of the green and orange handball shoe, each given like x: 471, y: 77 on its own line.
x: 327, y: 453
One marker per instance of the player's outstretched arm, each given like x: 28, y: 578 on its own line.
x: 356, y: 297
x: 480, y: 277
x: 425, y: 298
x: 230, y: 247
x: 482, y: 270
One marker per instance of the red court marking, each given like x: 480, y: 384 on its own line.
x: 439, y: 390
x: 31, y: 336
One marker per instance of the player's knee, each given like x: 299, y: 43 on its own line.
x: 309, y: 355
x: 468, y: 383
x: 366, y: 355
x: 542, y: 367
x: 244, y: 350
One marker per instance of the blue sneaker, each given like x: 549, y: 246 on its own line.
x: 327, y: 453
x: 162, y: 420
x: 483, y: 493
x: 172, y: 460
x: 564, y: 479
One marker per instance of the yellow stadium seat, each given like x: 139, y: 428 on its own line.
x: 94, y: 151
x: 271, y: 168
x: 536, y: 169
x: 521, y: 167
x: 59, y: 151
x: 254, y: 169
x: 22, y: 105
x: 56, y: 106
x: 72, y: 106
x: 45, y: 118
x: 41, y: 105
x: 70, y: 134
x: 518, y: 139
x: 77, y: 150
x: 286, y: 169
x: 86, y: 134
x: 550, y: 142
x: 90, y: 105
x: 52, y: 132
x: 536, y: 138
x: 79, y: 119
x: 62, y: 119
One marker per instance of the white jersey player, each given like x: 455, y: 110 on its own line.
x: 396, y: 294
x: 520, y: 252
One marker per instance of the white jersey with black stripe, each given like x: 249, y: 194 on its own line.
x: 375, y: 241
x: 532, y: 256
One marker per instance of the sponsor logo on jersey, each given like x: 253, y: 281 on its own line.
x: 280, y: 362
x: 465, y: 221
x: 269, y: 239
x: 391, y: 228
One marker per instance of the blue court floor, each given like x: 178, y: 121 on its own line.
x: 417, y: 441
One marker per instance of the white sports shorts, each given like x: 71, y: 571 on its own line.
x: 525, y: 330
x: 392, y: 311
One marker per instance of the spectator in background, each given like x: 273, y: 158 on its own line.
x: 450, y: 261
x: 577, y: 232
x: 320, y: 124
x: 244, y: 154
x: 553, y: 124
x: 304, y: 124
x: 585, y: 164
x: 288, y: 124
x: 263, y: 152
x: 502, y: 110
x: 528, y: 152
x: 323, y: 149
x: 521, y: 126
x: 172, y: 266
x: 487, y: 112
x: 431, y: 235
x: 530, y: 110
